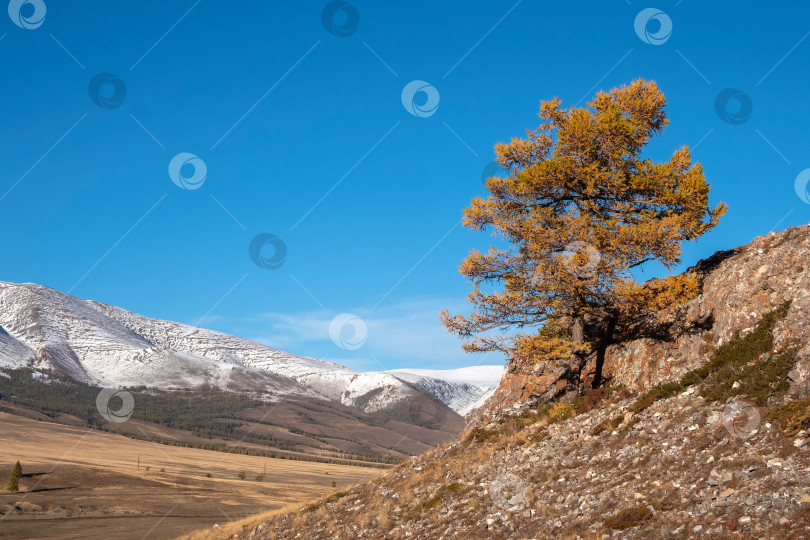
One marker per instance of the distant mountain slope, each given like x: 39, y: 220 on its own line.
x: 460, y: 389
x: 97, y: 343
x: 91, y: 342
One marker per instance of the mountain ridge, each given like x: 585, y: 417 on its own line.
x: 99, y: 343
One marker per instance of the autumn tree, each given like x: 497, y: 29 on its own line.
x: 577, y: 210
x: 13, y: 482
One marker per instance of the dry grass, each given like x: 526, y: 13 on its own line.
x: 593, y: 398
x: 792, y: 417
x: 436, y: 499
x: 238, y: 527
x: 589, y: 535
x: 483, y: 435
x: 629, y: 517
x: 607, y: 425
x: 758, y: 380
x: 101, y: 480
x: 321, y: 504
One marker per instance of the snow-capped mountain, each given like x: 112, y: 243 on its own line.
x: 99, y: 344
x: 102, y: 344
x: 460, y: 389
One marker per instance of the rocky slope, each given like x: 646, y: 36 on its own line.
x: 673, y: 471
x: 701, y: 433
x: 102, y: 344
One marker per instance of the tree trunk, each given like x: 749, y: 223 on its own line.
x: 605, y: 340
x: 574, y: 374
x: 578, y: 330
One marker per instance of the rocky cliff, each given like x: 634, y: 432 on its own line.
x: 738, y: 287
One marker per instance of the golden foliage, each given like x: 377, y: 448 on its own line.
x: 579, y: 209
x: 656, y: 294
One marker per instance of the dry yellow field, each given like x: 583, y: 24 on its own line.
x: 81, y: 483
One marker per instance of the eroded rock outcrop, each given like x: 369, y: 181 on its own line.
x: 738, y: 287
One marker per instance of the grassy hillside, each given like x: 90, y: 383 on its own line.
x: 246, y: 423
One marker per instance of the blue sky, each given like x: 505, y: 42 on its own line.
x: 304, y: 136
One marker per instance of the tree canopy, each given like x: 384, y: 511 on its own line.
x: 579, y: 209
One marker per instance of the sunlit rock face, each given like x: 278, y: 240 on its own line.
x: 739, y: 286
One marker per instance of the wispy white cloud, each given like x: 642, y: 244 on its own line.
x: 405, y: 334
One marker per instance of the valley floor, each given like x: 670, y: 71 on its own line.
x: 80, y: 483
